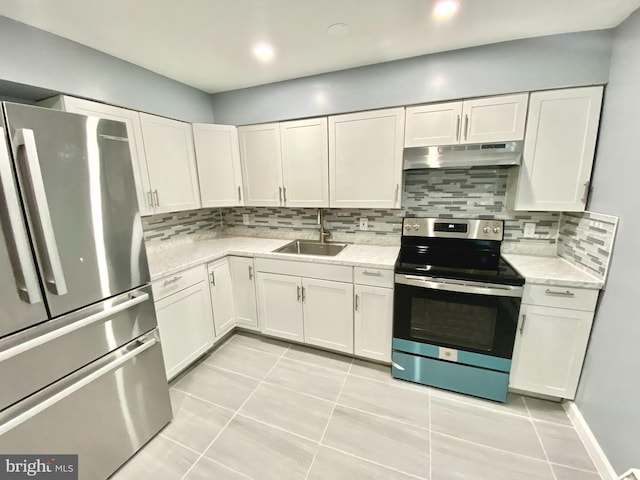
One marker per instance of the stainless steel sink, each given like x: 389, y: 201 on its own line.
x: 310, y: 247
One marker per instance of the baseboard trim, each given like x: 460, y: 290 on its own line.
x: 600, y: 460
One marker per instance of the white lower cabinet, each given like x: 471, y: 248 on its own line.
x: 328, y: 314
x: 306, y: 302
x: 551, y: 343
x: 244, y: 292
x: 280, y: 305
x: 221, y: 296
x: 373, y: 322
x: 184, y: 321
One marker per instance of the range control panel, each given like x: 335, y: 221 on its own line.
x: 453, y: 228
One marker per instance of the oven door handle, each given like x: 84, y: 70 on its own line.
x: 495, y: 290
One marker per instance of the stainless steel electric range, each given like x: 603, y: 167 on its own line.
x: 456, y: 306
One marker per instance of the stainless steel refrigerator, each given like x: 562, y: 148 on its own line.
x: 81, y: 369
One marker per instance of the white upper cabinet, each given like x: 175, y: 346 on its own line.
x: 218, y: 159
x: 171, y: 163
x: 285, y: 164
x: 305, y: 163
x: 365, y: 159
x: 481, y: 120
x: 562, y: 128
x: 435, y: 124
x: 261, y: 164
x: 494, y: 119
x: 134, y: 132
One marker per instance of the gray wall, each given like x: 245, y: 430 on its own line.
x: 33, y: 57
x: 521, y: 65
x: 609, y: 393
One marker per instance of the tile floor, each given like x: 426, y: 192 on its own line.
x: 262, y: 409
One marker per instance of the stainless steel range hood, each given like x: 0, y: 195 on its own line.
x: 463, y: 156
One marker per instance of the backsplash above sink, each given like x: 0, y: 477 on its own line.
x: 469, y: 193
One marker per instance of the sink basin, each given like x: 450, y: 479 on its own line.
x: 309, y: 247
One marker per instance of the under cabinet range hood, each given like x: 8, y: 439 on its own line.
x: 463, y: 156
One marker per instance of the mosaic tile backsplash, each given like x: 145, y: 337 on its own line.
x: 586, y: 240
x: 170, y: 225
x: 451, y: 193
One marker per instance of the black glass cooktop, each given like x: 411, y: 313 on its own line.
x: 475, y: 260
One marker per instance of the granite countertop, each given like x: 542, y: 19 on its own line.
x: 551, y: 270
x: 168, y: 257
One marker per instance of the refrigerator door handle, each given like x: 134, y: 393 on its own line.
x: 27, y: 276
x: 47, y: 337
x: 74, y: 387
x: 54, y: 275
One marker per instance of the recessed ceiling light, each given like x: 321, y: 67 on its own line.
x: 338, y: 29
x: 263, y: 52
x: 445, y: 8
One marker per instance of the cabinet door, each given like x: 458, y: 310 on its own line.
x: 438, y: 124
x: 186, y: 327
x: 373, y: 322
x: 280, y: 305
x: 261, y: 164
x: 171, y: 162
x: 328, y: 314
x: 244, y: 292
x: 221, y: 296
x: 558, y: 150
x: 494, y: 119
x: 218, y: 159
x: 136, y: 144
x: 365, y: 159
x: 549, y: 350
x: 305, y: 162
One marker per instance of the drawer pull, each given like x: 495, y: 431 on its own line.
x: 172, y: 280
x: 372, y: 274
x: 565, y: 293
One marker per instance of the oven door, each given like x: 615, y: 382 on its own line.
x: 467, y: 316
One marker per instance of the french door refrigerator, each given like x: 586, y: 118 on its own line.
x: 81, y: 369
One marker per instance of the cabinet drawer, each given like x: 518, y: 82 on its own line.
x: 376, y: 277
x: 178, y: 281
x: 322, y: 271
x: 562, y: 297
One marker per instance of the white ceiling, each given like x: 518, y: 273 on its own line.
x: 208, y: 43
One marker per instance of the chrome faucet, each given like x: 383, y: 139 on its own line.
x: 323, y: 234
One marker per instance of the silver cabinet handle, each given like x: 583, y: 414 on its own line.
x: 280, y: 193
x: 565, y: 293
x: 172, y: 280
x: 54, y: 275
x: 96, y: 317
x: 303, y: 294
x: 213, y: 278
x: 74, y: 387
x: 357, y: 301
x: 284, y: 194
x: 239, y: 194
x: 466, y: 126
x: 395, y: 198
x: 26, y: 275
x: 586, y: 191
x: 298, y: 292
x: 150, y: 198
x: 155, y: 194
x: 524, y: 320
x: 372, y: 274
x: 458, y: 129
x: 250, y: 272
